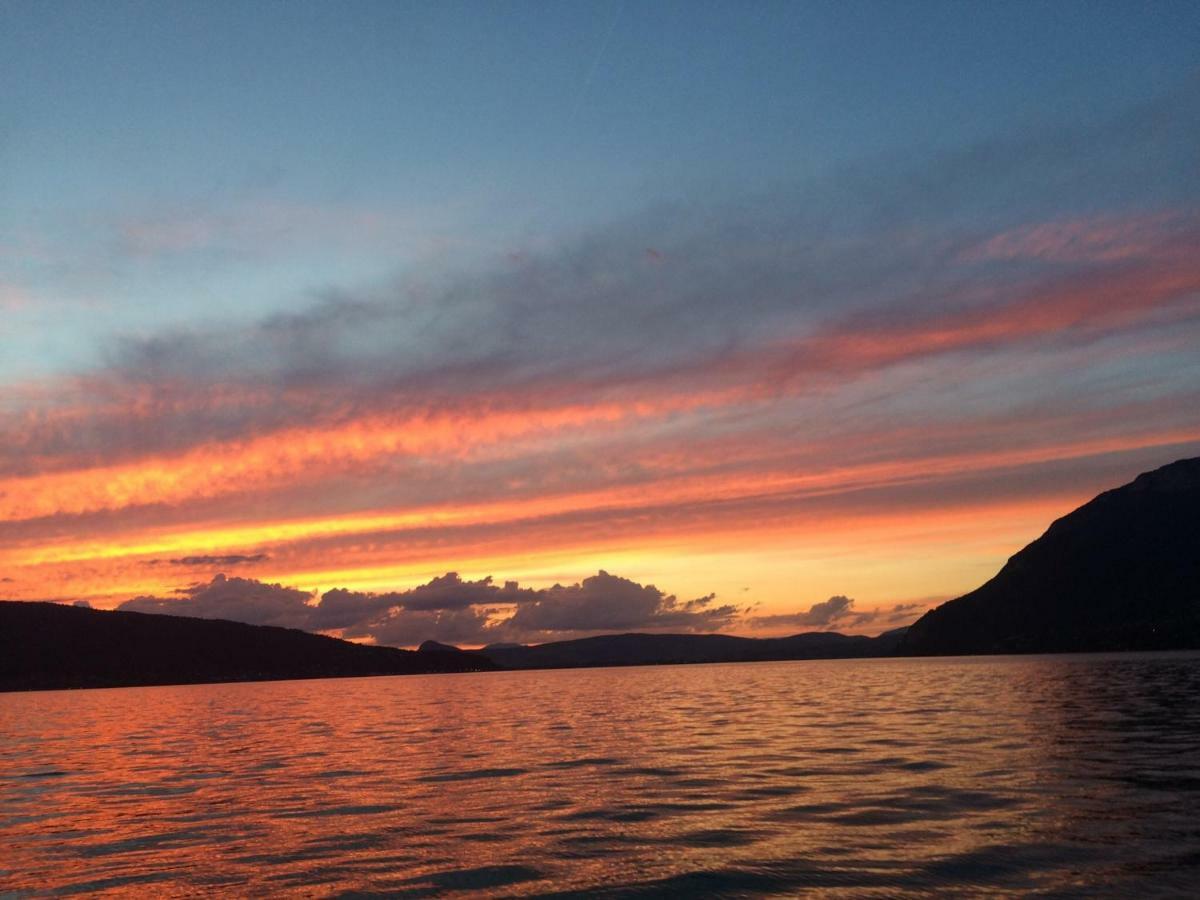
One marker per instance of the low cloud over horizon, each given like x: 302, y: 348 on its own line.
x: 840, y: 610
x: 451, y: 610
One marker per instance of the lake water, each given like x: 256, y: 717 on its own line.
x: 1058, y: 775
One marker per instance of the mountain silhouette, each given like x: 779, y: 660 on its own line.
x: 437, y: 647
x: 665, y: 649
x: 47, y: 646
x: 1122, y: 572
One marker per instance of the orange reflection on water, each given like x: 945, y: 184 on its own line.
x: 950, y: 775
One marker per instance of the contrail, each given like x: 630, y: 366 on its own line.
x: 587, y: 81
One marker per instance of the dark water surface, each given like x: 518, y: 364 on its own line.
x: 1055, y: 775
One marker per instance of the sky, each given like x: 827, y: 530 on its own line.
x: 526, y: 321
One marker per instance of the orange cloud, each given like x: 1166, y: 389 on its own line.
x: 1093, y: 302
x: 284, y: 457
x: 682, y: 513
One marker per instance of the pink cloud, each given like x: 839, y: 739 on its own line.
x: 1095, y: 239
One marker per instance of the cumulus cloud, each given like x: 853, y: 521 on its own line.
x: 453, y: 610
x: 351, y: 611
x: 360, y: 613
x: 819, y: 615
x: 449, y: 591
x: 450, y: 609
x: 239, y: 599
x: 607, y: 602
x: 839, y: 612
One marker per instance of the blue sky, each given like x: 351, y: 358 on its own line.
x: 462, y: 132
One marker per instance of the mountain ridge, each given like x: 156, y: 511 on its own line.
x: 639, y: 649
x: 1120, y: 572
x: 51, y: 646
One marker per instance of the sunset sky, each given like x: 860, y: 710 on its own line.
x: 749, y: 317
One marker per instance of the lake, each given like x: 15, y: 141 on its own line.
x: 1052, y: 774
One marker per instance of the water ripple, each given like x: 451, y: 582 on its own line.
x: 1039, y: 775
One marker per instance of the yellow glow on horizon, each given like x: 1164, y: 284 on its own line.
x: 785, y: 568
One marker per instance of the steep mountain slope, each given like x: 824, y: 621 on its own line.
x: 1122, y: 572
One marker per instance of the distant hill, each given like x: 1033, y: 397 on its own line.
x: 46, y: 646
x: 661, y: 649
x: 1122, y: 572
